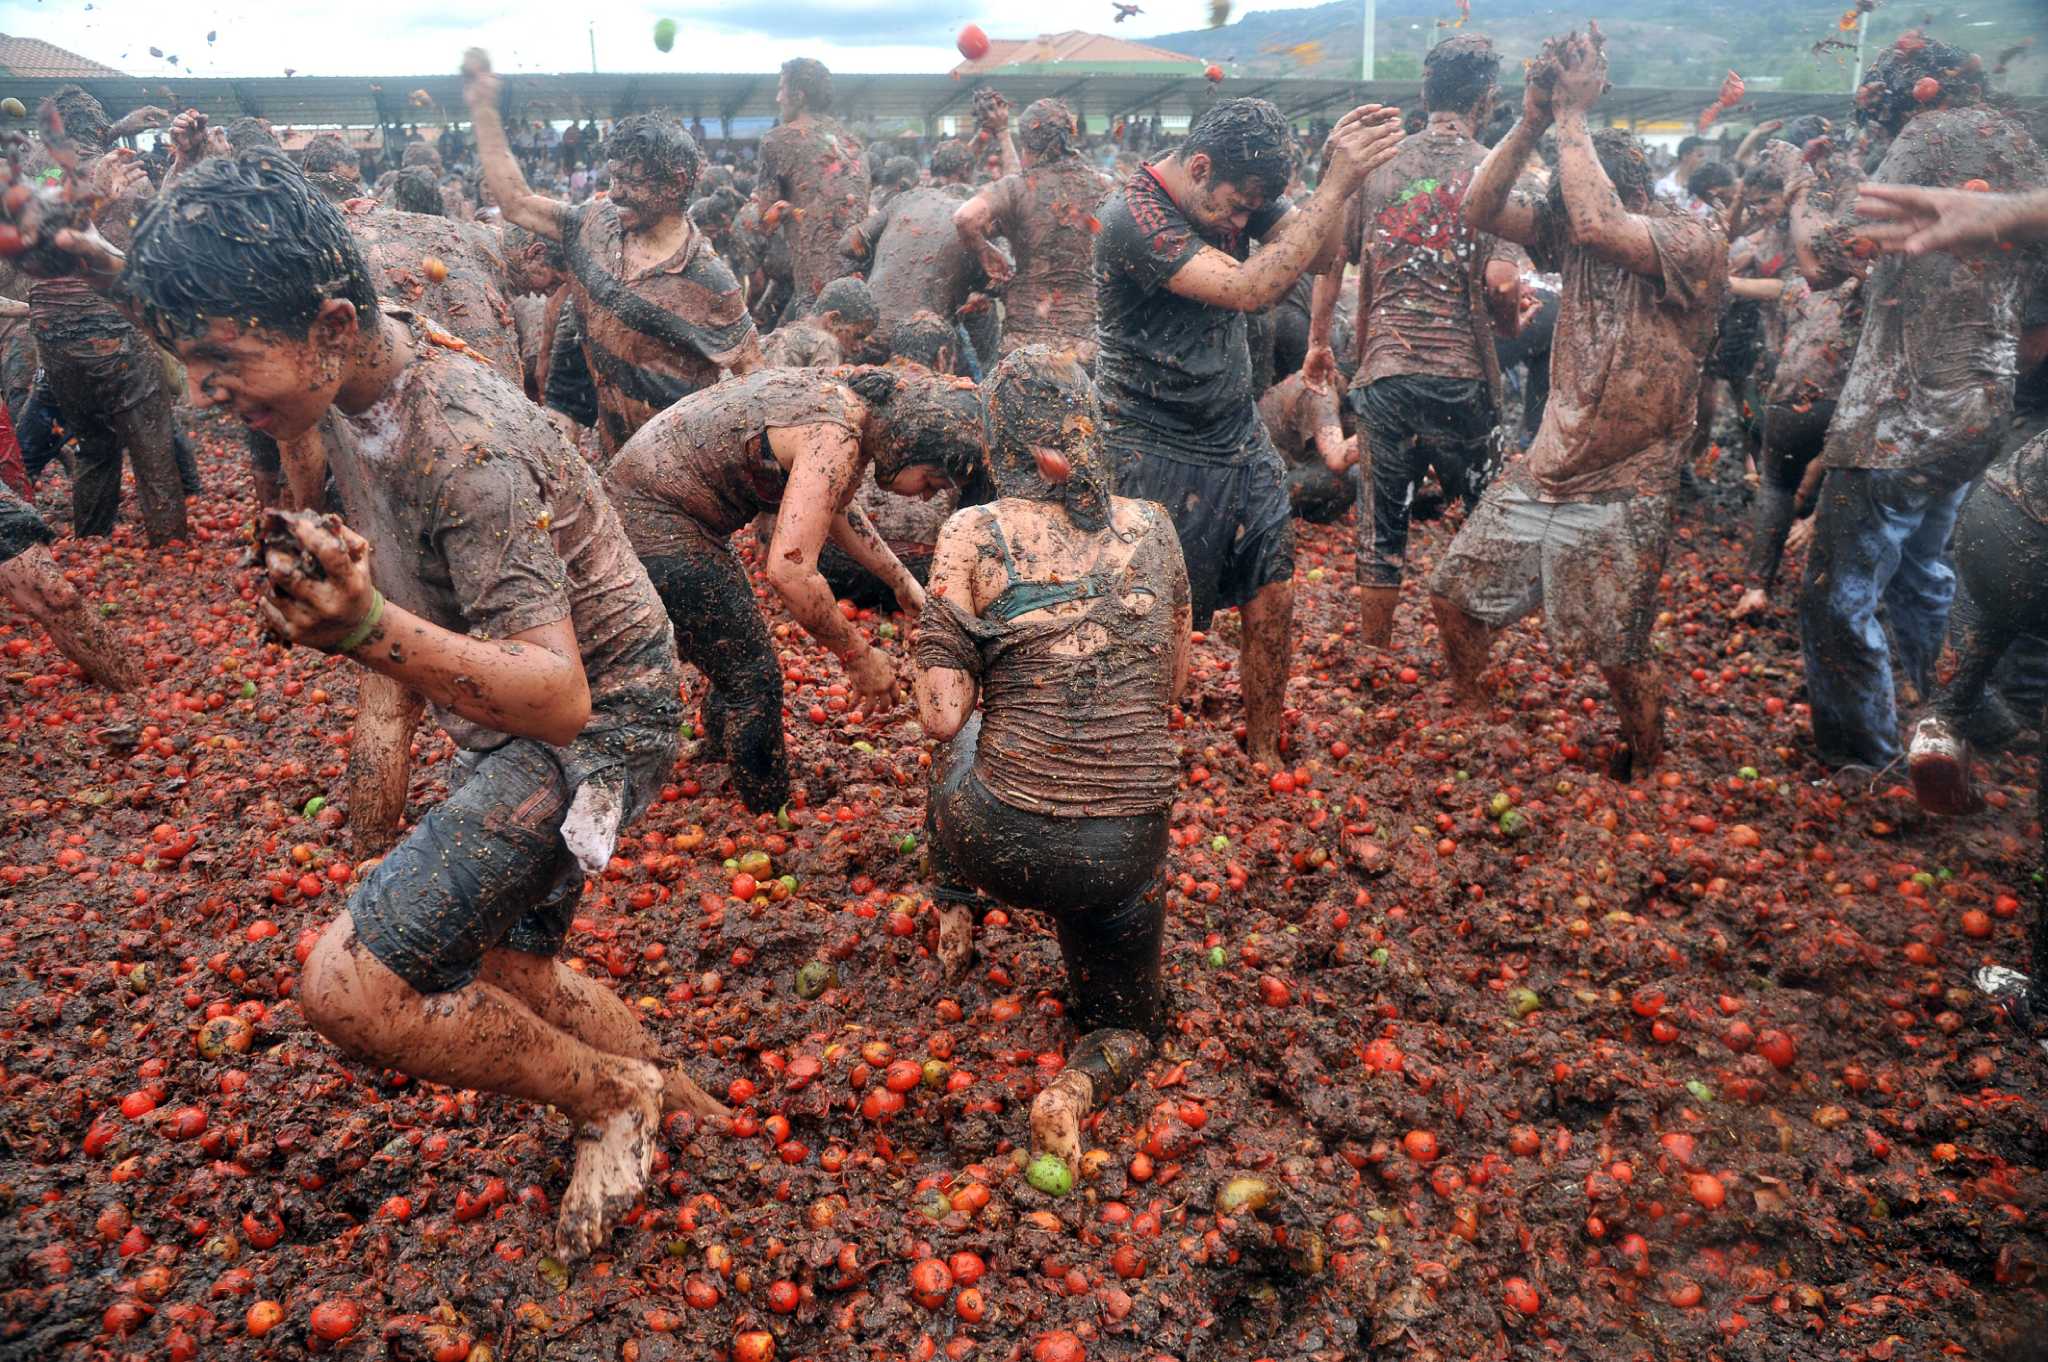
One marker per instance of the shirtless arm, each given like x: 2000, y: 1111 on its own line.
x: 972, y: 221
x: 520, y: 205
x: 824, y: 463
x: 1490, y: 203
x: 945, y: 696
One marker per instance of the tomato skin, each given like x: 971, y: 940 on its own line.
x: 334, y: 1320
x: 1521, y: 1297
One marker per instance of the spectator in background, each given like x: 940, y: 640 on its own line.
x: 1674, y: 188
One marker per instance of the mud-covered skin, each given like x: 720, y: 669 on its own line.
x: 913, y: 259
x: 1047, y: 214
x: 1793, y: 437
x: 1821, y: 327
x: 815, y: 166
x: 800, y: 345
x: 31, y: 582
x: 469, y: 300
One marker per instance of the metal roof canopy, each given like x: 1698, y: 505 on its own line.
x: 360, y: 101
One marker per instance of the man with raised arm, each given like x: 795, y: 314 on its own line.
x: 661, y: 313
x: 1579, y: 528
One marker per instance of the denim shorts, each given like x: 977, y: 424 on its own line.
x: 487, y: 866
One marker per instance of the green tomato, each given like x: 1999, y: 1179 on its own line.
x: 665, y: 34
x: 1514, y: 822
x: 1700, y: 1091
x: 1219, y: 843
x: 886, y: 629
x: 1500, y: 804
x: 1379, y: 957
x: 1049, y: 1174
x: 1217, y: 958
x: 1748, y: 773
x: 315, y: 804
x: 907, y: 843
x: 813, y: 977
x: 248, y: 690
x: 1524, y: 1001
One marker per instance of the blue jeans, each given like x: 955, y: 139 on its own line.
x: 1880, y: 536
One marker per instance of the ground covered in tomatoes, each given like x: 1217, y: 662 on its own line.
x: 1475, y: 1055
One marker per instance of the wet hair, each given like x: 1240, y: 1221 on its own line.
x: 417, y: 191
x: 1498, y: 125
x: 1688, y: 145
x: 85, y: 118
x: 1804, y: 129
x: 898, y: 172
x: 924, y: 338
x: 1709, y: 177
x: 1414, y: 121
x: 921, y: 420
x: 809, y: 78
x: 716, y: 210
x: 851, y: 299
x: 249, y: 134
x: 245, y: 239
x: 952, y: 160
x: 1459, y: 73
x: 1048, y: 130
x: 1247, y: 143
x: 1762, y: 178
x: 326, y: 154
x: 1886, y: 96
x: 1621, y: 156
x: 659, y: 145
x: 1039, y: 396
x: 420, y: 154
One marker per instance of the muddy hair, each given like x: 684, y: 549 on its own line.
x: 85, y: 118
x: 416, y: 191
x: 1761, y: 178
x: 1039, y: 396
x: 659, y: 145
x: 717, y: 210
x: 952, y: 160
x: 1048, y: 130
x: 1803, y: 129
x: 245, y: 239
x: 919, y: 420
x: 810, y: 78
x: 420, y: 154
x: 899, y: 172
x: 249, y: 134
x: 1248, y: 145
x: 518, y: 241
x: 1459, y: 73
x: 1622, y: 157
x: 1714, y: 175
x: 851, y: 299
x: 326, y: 155
x: 1886, y: 96
x: 924, y: 338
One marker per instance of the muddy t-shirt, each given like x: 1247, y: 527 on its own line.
x: 484, y: 522
x: 1174, y: 375
x: 468, y: 300
x: 1626, y: 361
x: 656, y: 335
x: 1293, y: 412
x: 1931, y: 384
x: 915, y: 261
x: 84, y: 341
x: 800, y: 345
x: 1426, y: 267
x: 706, y: 460
x: 1048, y: 215
x: 816, y: 167
x: 1821, y: 326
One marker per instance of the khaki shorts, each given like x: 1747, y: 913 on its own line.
x: 1591, y: 567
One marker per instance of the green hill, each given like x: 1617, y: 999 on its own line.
x: 1659, y: 42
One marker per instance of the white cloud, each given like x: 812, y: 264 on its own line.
x: 387, y: 37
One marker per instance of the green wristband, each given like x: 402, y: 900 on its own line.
x: 366, y: 627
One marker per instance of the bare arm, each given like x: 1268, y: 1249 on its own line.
x: 518, y: 203
x: 1504, y: 298
x: 973, y: 220
x: 859, y: 241
x: 135, y: 120
x: 856, y: 534
x: 530, y: 684
x: 1914, y: 220
x: 1759, y: 290
x: 1594, y: 213
x: 1747, y: 147
x: 946, y: 696
x: 1337, y: 452
x: 1490, y: 203
x: 824, y: 464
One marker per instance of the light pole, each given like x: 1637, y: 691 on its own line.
x: 593, y: 47
x: 1372, y: 8
x: 1862, y: 29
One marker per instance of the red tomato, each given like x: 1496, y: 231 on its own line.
x: 1707, y: 1190
x: 967, y: 1268
x: 1058, y: 1346
x: 1521, y: 1296
x: 1212, y: 73
x: 1926, y: 89
x: 1778, y: 1048
x: 755, y: 1345
x: 263, y: 1316
x: 972, y: 42
x: 783, y: 1297
x: 930, y: 1280
x: 1419, y: 1145
x: 334, y: 1320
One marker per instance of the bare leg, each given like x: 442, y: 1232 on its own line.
x: 1376, y: 614
x: 480, y: 1036
x: 144, y: 432
x: 594, y: 1015
x: 1262, y: 658
x: 1466, y: 642
x: 1056, y: 1117
x: 1639, y: 696
x: 956, y: 939
x: 32, y: 581
x: 379, y: 762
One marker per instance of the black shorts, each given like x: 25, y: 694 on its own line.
x: 487, y: 867
x: 1235, y: 522
x: 1408, y: 424
x: 21, y: 528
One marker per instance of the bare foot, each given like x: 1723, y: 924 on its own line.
x: 1056, y: 1117
x: 679, y: 1092
x: 614, y: 1154
x: 1754, y: 602
x: 956, y: 939
x: 103, y: 658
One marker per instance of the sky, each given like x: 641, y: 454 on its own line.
x: 405, y: 37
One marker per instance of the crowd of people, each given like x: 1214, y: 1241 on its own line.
x: 507, y: 432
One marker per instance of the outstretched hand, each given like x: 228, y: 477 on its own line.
x: 1363, y: 140
x: 1581, y: 71
x: 480, y: 84
x: 1915, y: 221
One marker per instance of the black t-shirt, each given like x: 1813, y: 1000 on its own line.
x: 1175, y: 375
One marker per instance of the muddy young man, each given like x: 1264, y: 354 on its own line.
x: 1432, y: 295
x: 1926, y: 404
x: 1047, y: 214
x: 1061, y: 612
x: 814, y: 167
x: 1175, y: 277
x: 791, y: 445
x: 491, y: 578
x: 840, y: 323
x: 914, y: 260
x: 1579, y: 528
x: 105, y: 376
x: 660, y: 313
